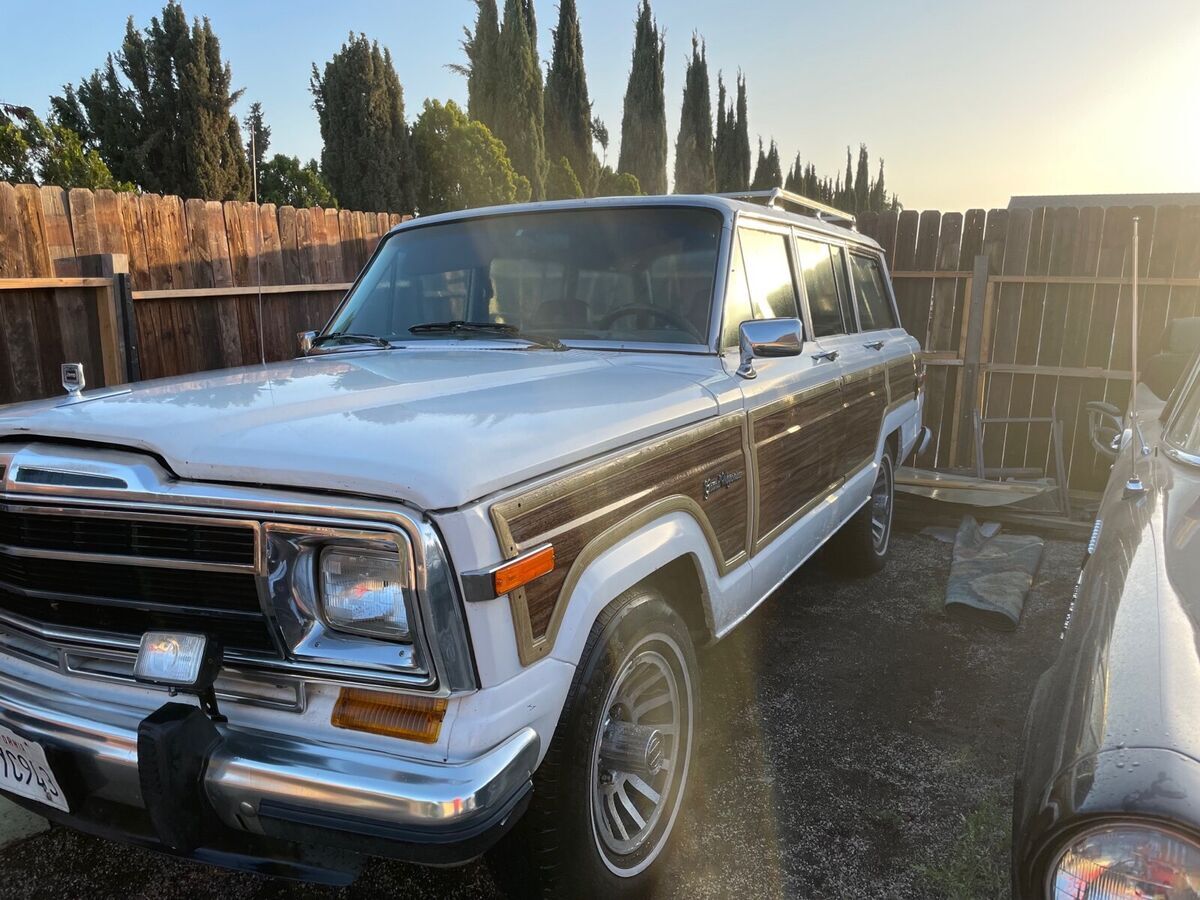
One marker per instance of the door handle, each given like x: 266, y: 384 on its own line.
x: 830, y: 355
x: 874, y: 345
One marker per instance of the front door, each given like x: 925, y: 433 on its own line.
x: 794, y: 402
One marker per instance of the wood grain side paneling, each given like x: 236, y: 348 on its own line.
x: 901, y: 380
x: 596, y: 505
x: 796, y: 455
x: 865, y: 400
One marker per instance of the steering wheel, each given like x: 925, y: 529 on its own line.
x: 667, y: 315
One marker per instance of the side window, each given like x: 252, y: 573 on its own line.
x: 769, y: 274
x: 839, y: 273
x: 874, y: 306
x: 821, y: 287
x: 737, y: 298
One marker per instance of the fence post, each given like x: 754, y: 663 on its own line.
x: 123, y: 288
x: 110, y: 313
x: 972, y: 355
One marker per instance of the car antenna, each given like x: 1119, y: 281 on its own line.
x: 262, y: 344
x: 1134, y: 486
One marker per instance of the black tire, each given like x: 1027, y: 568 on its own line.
x: 858, y: 548
x: 557, y: 849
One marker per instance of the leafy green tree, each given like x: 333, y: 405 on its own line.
x: 767, y: 172
x: 695, y: 171
x: 367, y: 157
x: 519, y: 116
x: 600, y: 135
x: 284, y: 181
x: 48, y: 153
x: 165, y: 120
x: 644, y: 122
x: 461, y: 163
x: 617, y: 184
x: 482, y: 69
x: 561, y: 183
x: 568, y: 109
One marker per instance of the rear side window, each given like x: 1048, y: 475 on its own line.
x: 874, y: 306
x: 769, y: 274
x: 821, y: 287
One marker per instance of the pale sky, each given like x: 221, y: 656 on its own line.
x: 968, y: 102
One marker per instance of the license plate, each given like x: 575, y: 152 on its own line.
x: 24, y: 771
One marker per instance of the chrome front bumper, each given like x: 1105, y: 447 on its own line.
x: 288, y: 788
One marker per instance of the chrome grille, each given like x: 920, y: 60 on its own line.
x: 91, y: 571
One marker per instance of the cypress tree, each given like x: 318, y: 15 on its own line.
x: 519, y: 116
x: 481, y: 68
x: 722, y: 142
x: 862, y: 181
x: 568, y: 109
x: 367, y: 157
x: 795, y: 177
x: 741, y: 137
x: 258, y: 129
x: 878, y: 201
x: 695, y: 171
x: 644, y: 123
x: 767, y: 173
x: 845, y: 189
x: 160, y: 114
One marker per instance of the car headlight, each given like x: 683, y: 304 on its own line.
x: 364, y: 592
x: 1126, y: 861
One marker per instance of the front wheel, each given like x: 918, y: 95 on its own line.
x: 607, y: 794
x: 861, y: 546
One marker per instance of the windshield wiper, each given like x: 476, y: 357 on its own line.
x: 350, y: 337
x: 501, y: 328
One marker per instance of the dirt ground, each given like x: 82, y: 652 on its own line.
x: 856, y: 743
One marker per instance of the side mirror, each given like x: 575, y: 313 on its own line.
x: 768, y: 338
x: 305, y: 339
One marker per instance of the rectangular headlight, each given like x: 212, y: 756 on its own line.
x: 363, y: 592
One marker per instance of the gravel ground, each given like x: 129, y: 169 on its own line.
x: 855, y: 744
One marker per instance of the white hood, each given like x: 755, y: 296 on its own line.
x: 435, y: 427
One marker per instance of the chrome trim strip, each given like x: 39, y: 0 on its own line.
x: 478, y: 586
x: 149, y: 562
x: 1181, y: 456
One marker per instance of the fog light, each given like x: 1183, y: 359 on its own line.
x: 394, y: 715
x: 185, y: 661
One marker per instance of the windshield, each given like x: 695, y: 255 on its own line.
x: 612, y: 275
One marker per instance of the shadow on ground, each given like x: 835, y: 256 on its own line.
x: 855, y: 744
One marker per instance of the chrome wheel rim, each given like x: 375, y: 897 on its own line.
x: 881, y: 507
x: 633, y: 810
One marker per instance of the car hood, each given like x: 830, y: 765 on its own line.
x: 437, y: 428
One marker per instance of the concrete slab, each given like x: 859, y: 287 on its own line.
x: 17, y: 823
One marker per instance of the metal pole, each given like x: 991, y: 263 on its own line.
x: 262, y: 344
x: 1134, y: 486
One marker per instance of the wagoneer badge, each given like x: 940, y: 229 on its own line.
x: 73, y: 380
x: 715, y: 483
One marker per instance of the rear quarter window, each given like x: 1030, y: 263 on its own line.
x: 874, y: 304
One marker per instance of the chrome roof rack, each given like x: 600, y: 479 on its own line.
x: 781, y: 199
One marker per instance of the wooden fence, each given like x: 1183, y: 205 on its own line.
x: 1020, y: 312
x: 1024, y: 312
x: 163, y: 283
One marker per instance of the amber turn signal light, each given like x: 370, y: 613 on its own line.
x: 393, y: 715
x: 523, y: 570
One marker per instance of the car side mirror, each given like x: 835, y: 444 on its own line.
x: 305, y: 339
x: 766, y: 339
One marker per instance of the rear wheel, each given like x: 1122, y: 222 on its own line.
x: 861, y: 546
x: 608, y: 792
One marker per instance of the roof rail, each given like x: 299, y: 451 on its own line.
x: 781, y: 199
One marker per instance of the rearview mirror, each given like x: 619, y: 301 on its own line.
x: 768, y: 338
x: 305, y: 338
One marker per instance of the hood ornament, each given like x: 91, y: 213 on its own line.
x: 73, y: 380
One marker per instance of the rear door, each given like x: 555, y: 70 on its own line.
x: 893, y: 347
